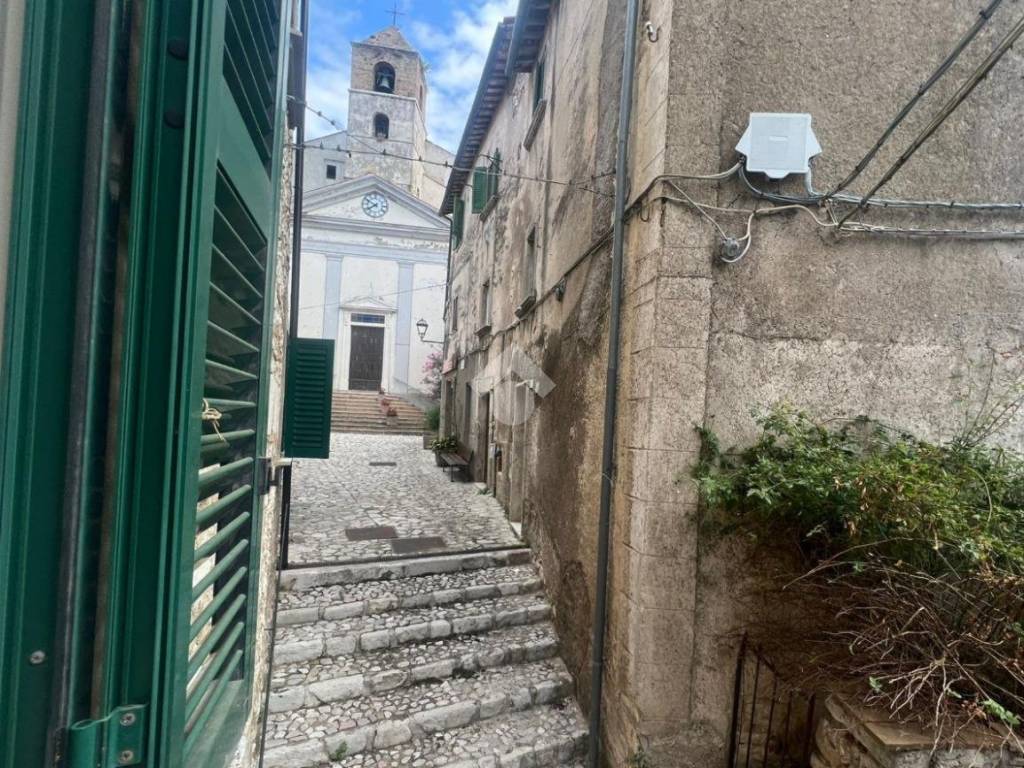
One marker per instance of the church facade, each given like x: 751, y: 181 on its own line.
x: 374, y: 250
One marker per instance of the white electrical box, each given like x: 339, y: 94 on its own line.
x: 778, y: 144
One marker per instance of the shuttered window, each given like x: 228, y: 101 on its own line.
x: 458, y: 222
x: 307, y: 432
x: 485, y: 183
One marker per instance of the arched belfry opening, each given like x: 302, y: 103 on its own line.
x: 384, y: 78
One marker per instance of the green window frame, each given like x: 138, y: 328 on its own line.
x: 485, y: 183
x: 458, y: 222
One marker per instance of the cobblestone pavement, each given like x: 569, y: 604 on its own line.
x: 414, y: 496
x: 443, y: 661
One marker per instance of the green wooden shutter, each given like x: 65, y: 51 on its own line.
x: 481, y: 189
x: 232, y: 214
x: 458, y: 222
x: 307, y: 409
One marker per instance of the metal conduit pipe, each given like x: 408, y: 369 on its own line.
x: 612, y: 381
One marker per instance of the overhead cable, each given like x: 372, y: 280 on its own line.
x: 946, y: 65
x: 958, y: 98
x: 439, y: 163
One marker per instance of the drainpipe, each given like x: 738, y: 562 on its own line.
x: 612, y: 382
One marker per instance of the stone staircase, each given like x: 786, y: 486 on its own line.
x: 362, y: 412
x: 436, y: 661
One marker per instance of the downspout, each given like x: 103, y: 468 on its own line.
x: 612, y: 381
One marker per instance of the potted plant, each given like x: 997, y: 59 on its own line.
x: 392, y: 416
x: 441, y: 445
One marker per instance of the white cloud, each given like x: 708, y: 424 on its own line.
x: 457, y: 56
x: 329, y: 66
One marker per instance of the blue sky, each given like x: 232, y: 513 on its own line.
x: 452, y: 35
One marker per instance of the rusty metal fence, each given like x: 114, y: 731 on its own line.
x: 772, y: 721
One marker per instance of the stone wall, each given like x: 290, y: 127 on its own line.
x: 248, y: 754
x: 849, y: 736
x: 904, y: 331
x: 549, y: 472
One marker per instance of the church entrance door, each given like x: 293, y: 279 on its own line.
x: 366, y: 358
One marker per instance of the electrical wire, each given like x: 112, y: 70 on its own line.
x: 378, y: 296
x: 958, y: 98
x: 979, y: 24
x: 438, y: 163
x: 817, y: 198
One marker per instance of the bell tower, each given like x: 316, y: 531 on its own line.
x: 387, y: 110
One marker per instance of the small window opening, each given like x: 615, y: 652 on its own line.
x: 381, y: 127
x: 530, y: 265
x: 332, y: 171
x: 384, y: 78
x: 538, y: 84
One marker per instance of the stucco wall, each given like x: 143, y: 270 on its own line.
x: 248, y: 749
x: 549, y: 475
x: 900, y: 330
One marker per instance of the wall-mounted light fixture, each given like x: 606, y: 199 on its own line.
x: 421, y: 328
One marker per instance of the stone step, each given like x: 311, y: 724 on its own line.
x: 402, y: 716
x: 326, y: 680
x: 374, y: 632
x: 382, y: 430
x: 391, y: 570
x: 372, y: 597
x: 538, y: 737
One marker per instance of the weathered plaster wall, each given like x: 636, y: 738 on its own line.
x: 899, y: 330
x: 549, y: 472
x: 248, y: 750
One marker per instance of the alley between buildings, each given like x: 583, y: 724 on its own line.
x: 412, y: 625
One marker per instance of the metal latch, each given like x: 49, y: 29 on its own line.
x: 115, y: 741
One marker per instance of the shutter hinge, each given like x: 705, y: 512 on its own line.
x: 115, y: 741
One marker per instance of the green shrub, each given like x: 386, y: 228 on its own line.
x: 432, y: 419
x: 912, y: 581
x: 860, y: 484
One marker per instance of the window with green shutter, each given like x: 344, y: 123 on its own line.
x: 458, y: 222
x: 307, y: 408
x: 485, y: 183
x: 481, y: 189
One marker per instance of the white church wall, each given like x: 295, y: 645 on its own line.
x: 427, y: 304
x: 311, y: 295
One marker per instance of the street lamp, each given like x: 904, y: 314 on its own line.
x: 421, y: 329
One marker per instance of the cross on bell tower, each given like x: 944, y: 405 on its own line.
x: 395, y: 13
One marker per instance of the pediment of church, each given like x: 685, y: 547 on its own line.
x: 359, y: 201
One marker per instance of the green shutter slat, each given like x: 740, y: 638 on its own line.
x: 223, y: 595
x: 219, y: 569
x: 308, y: 396
x: 209, y: 675
x: 222, y: 536
x: 223, y: 344
x: 480, y: 189
x: 220, y: 628
x: 229, y: 312
x: 211, y: 479
x: 208, y: 515
x: 211, y: 706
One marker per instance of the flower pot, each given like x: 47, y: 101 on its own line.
x: 437, y: 458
